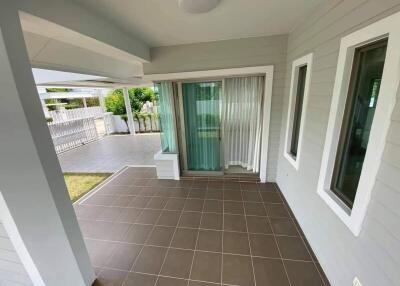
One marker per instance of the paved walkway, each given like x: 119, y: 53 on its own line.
x: 112, y: 153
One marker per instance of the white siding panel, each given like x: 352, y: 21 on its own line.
x: 12, y: 271
x: 373, y: 256
x: 392, y: 153
x: 396, y: 112
x: 389, y: 175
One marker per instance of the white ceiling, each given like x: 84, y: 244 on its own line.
x: 49, y: 53
x: 162, y: 23
x: 43, y: 76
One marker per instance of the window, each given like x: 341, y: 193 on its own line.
x: 301, y: 81
x: 357, y: 120
x: 366, y: 83
x: 301, y: 69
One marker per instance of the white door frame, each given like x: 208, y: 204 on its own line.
x: 267, y: 71
x: 183, y: 129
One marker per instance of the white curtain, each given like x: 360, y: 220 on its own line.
x: 242, y: 121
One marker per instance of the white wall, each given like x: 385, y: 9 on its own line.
x: 374, y: 256
x: 232, y: 54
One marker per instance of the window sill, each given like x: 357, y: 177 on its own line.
x: 293, y: 161
x: 351, y: 219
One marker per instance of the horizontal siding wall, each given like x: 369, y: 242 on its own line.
x: 12, y: 271
x: 232, y: 54
x: 374, y: 256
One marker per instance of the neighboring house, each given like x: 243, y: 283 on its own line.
x: 302, y: 94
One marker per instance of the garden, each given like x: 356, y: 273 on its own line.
x: 143, y: 103
x: 78, y: 184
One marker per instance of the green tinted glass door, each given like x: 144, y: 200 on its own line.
x: 202, y: 125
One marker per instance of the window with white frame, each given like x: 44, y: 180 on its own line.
x: 366, y: 82
x: 299, y: 87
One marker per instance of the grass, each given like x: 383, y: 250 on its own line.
x: 79, y: 184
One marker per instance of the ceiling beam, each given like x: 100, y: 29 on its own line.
x: 94, y: 28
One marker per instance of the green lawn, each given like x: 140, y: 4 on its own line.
x: 79, y: 184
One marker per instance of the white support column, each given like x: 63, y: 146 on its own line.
x: 84, y: 102
x: 128, y: 107
x: 45, y: 110
x: 102, y: 100
x: 37, y: 212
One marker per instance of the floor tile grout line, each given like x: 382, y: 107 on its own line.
x: 177, y: 186
x: 97, y: 188
x: 222, y: 239
x: 223, y: 215
x: 195, y: 246
x: 171, y: 197
x: 140, y: 252
x: 180, y: 278
x: 297, y: 226
x: 210, y: 251
x: 165, y: 197
x: 192, y: 195
x: 248, y: 241
x: 188, y: 227
x: 170, y: 243
x: 308, y: 250
x: 207, y: 251
x: 109, y: 259
x: 279, y: 251
x: 164, y: 209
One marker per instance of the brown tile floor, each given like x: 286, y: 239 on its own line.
x: 198, y: 231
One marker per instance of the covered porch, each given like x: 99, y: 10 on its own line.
x: 324, y: 191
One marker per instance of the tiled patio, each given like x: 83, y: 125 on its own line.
x: 111, y: 153
x: 141, y: 231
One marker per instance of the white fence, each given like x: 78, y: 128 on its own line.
x: 77, y: 113
x: 108, y: 122
x: 72, y: 133
x: 147, y: 125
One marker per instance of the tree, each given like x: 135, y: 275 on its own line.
x: 115, y: 104
x: 137, y: 96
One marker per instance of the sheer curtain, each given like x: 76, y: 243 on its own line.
x: 241, y: 121
x: 166, y: 112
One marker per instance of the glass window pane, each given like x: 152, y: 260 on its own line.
x: 166, y: 116
x: 202, y: 125
x: 357, y: 120
x: 301, y: 82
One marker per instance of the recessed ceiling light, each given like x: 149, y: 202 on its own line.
x: 198, y: 6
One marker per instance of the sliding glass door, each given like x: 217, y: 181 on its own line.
x: 201, y: 107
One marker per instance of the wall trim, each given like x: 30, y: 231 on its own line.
x: 302, y: 61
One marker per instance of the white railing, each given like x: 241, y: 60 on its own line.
x: 76, y: 113
x: 72, y: 133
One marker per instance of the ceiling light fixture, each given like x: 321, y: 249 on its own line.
x: 198, y: 6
